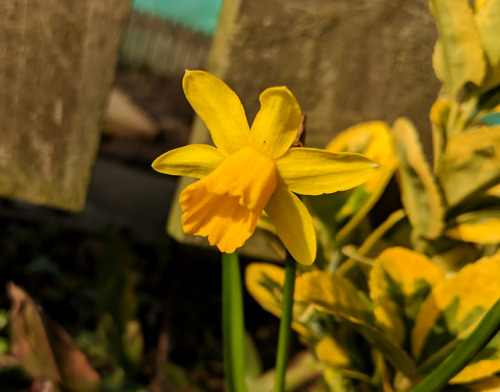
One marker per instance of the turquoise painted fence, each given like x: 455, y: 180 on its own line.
x: 197, y: 15
x: 169, y: 36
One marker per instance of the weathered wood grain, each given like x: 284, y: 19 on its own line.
x: 57, y: 62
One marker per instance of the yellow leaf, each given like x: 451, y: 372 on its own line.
x: 373, y: 140
x: 455, y: 306
x: 339, y: 297
x: 332, y: 294
x: 487, y: 17
x: 490, y: 384
x: 399, y: 281
x: 440, y: 111
x: 458, y: 55
x: 485, y: 231
x: 329, y: 351
x: 265, y: 283
x: 470, y: 164
x: 420, y: 194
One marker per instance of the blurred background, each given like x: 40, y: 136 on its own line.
x: 92, y: 95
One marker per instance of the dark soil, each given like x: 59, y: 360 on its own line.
x: 177, y: 287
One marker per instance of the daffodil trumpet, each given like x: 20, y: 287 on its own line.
x: 254, y: 169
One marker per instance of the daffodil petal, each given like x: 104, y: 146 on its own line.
x: 276, y: 124
x: 293, y: 224
x: 311, y: 171
x: 195, y: 160
x: 219, y: 108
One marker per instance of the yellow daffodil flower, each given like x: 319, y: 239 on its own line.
x: 251, y: 170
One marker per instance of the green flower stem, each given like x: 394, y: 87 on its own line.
x: 285, y: 324
x: 458, y: 359
x: 233, y: 324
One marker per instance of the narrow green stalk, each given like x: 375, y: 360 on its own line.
x: 458, y: 359
x: 285, y: 324
x: 233, y: 324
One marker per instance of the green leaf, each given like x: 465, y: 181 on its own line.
x: 458, y: 55
x: 470, y: 164
x: 253, y: 363
x: 117, y: 303
x: 420, y: 194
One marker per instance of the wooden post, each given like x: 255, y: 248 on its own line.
x: 57, y: 63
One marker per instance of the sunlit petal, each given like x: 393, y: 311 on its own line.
x: 277, y: 122
x: 195, y: 160
x: 293, y: 224
x: 225, y: 205
x: 310, y: 171
x: 219, y: 108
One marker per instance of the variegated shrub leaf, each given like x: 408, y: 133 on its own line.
x: 486, y: 17
x: 264, y: 282
x: 420, y: 193
x: 333, y: 353
x: 451, y: 311
x: 458, y: 56
x: 339, y: 297
x: 373, y: 140
x: 470, y: 164
x: 489, y: 384
x: 481, y: 227
x: 395, y: 231
x: 338, y: 214
x: 399, y: 282
x: 440, y: 111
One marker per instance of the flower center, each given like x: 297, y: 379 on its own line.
x: 225, y: 205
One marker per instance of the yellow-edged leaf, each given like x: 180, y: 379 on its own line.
x: 458, y: 55
x: 264, y: 282
x: 394, y: 231
x: 336, y: 215
x: 330, y: 352
x: 452, y: 259
x: 452, y: 310
x: 373, y: 140
x: 486, y: 363
x: 420, y: 194
x: 470, y: 164
x: 481, y: 227
x: 490, y: 384
x: 487, y: 17
x: 339, y: 297
x: 399, y: 281
x: 440, y: 111
x: 332, y: 294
